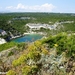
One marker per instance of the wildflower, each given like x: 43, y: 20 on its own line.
x: 56, y: 45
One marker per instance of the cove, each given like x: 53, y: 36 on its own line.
x: 28, y: 38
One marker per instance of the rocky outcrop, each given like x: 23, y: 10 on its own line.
x: 6, y: 60
x: 2, y: 41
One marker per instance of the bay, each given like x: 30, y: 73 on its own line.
x: 28, y: 38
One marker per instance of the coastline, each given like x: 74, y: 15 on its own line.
x: 28, y: 37
x: 41, y: 33
x: 25, y: 34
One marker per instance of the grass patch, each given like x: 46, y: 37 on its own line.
x: 7, y: 46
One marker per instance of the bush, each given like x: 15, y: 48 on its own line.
x: 20, y: 60
x: 26, y: 70
x: 11, y: 72
x: 10, y: 53
x: 34, y: 55
x: 7, y: 45
x: 30, y: 70
x: 65, y: 43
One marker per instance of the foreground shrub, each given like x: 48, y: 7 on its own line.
x: 11, y: 72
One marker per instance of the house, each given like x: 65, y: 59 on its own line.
x: 2, y: 32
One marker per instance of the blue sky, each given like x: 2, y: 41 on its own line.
x: 62, y: 6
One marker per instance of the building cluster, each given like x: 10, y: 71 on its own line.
x: 37, y: 26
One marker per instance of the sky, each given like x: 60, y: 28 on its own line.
x: 56, y: 6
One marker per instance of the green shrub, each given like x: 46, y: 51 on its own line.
x: 65, y: 43
x: 34, y: 55
x: 7, y: 45
x: 30, y: 70
x: 20, y: 60
x: 26, y: 70
x: 11, y: 72
x: 10, y: 53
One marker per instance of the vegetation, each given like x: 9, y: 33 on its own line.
x: 13, y: 22
x: 53, y: 55
x: 63, y: 43
x: 11, y: 72
x: 41, y: 56
x: 10, y: 53
x: 7, y: 45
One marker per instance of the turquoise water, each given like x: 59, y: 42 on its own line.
x: 28, y: 38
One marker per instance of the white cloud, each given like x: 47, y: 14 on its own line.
x: 10, y: 7
x: 37, y: 8
x: 20, y: 6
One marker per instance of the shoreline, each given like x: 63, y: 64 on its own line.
x: 25, y: 34
x: 41, y: 33
x: 29, y: 35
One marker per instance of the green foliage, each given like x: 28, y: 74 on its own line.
x: 21, y: 46
x: 10, y: 53
x: 12, y: 22
x: 19, y: 25
x: 41, y: 54
x: 11, y: 72
x: 61, y: 42
x: 69, y: 27
x: 34, y: 55
x: 7, y: 45
x: 30, y: 70
x: 65, y: 43
x: 44, y: 50
x: 34, y: 52
x: 34, y: 69
x: 15, y: 63
x: 38, y: 44
x: 26, y: 70
x: 19, y: 61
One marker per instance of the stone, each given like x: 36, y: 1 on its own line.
x: 71, y: 73
x: 74, y: 64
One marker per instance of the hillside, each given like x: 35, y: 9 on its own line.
x: 15, y: 22
x: 54, y: 55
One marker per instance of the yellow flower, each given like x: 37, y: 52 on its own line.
x: 56, y: 45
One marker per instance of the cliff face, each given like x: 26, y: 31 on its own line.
x: 6, y: 58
